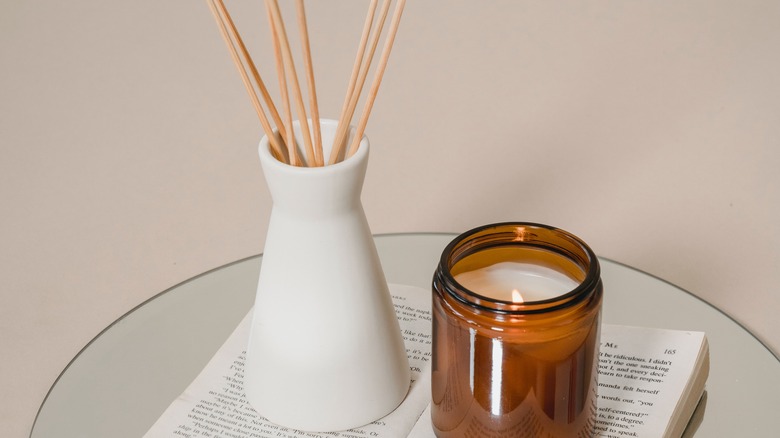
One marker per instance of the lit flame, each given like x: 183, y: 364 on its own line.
x: 516, y: 297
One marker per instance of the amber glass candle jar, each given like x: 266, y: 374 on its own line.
x: 516, y: 313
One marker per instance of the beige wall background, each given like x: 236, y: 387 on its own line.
x: 128, y: 148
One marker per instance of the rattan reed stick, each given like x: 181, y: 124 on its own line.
x: 292, y: 76
x: 216, y: 6
x: 341, y: 137
x: 313, y: 105
x: 337, y: 145
x: 289, y: 137
x: 380, y: 71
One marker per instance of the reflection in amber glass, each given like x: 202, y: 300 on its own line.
x: 515, y: 369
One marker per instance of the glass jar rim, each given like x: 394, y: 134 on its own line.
x: 531, y: 235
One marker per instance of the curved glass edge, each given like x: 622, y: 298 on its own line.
x: 125, y: 315
x: 416, y: 233
x: 774, y: 354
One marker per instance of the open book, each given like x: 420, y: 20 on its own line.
x: 650, y: 381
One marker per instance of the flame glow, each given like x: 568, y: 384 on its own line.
x: 516, y: 297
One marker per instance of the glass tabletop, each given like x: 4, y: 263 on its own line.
x: 123, y: 380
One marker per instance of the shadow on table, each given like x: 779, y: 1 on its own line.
x: 696, y: 418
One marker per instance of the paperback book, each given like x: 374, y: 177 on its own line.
x: 649, y: 383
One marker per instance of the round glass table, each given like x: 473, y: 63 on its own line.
x: 124, y: 379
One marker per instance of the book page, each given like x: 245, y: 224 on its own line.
x: 643, y: 374
x: 214, y: 404
x: 423, y: 428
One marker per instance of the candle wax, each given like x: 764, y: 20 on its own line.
x: 516, y: 281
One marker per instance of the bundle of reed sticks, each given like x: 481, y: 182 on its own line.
x: 284, y: 146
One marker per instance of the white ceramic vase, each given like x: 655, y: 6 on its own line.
x: 325, y: 351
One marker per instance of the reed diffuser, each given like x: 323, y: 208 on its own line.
x: 325, y: 351
x: 286, y: 148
